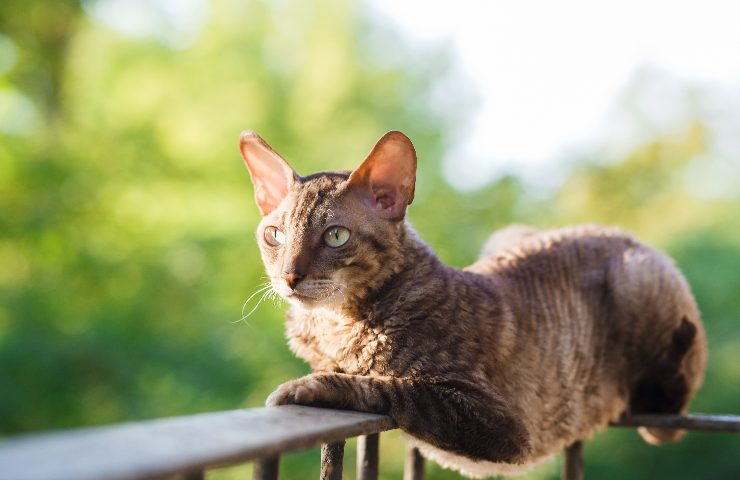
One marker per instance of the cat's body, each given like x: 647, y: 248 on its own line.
x: 557, y: 323
x: 489, y: 369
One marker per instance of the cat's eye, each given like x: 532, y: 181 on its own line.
x: 274, y: 237
x: 336, y: 236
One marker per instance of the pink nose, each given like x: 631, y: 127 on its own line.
x: 292, y: 278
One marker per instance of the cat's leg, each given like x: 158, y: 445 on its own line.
x: 464, y: 417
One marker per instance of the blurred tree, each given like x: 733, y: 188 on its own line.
x: 127, y: 217
x: 42, y: 30
x: 649, y: 184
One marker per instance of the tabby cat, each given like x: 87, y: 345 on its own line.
x: 490, y: 369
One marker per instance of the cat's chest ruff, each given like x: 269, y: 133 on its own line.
x: 353, y: 345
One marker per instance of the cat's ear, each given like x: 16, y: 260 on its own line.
x: 387, y: 177
x: 271, y: 176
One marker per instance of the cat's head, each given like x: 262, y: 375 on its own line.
x: 328, y: 239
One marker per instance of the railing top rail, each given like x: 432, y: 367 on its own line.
x: 156, y: 448
x: 695, y: 422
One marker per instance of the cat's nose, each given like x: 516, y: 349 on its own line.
x: 292, y: 278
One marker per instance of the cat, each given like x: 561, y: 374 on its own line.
x: 489, y: 369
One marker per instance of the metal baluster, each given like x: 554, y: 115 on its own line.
x: 414, y: 468
x: 199, y: 475
x: 266, y: 468
x: 367, y: 457
x: 573, y: 465
x: 332, y: 458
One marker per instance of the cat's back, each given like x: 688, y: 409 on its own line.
x: 593, y: 277
x: 521, y: 249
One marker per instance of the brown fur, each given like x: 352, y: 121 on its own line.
x: 492, y: 368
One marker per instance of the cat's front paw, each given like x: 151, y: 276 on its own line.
x: 302, y: 391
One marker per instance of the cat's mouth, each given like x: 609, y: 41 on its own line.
x: 310, y: 296
x: 300, y: 296
x: 305, y: 301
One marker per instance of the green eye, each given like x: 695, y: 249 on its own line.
x: 336, y: 236
x: 274, y: 237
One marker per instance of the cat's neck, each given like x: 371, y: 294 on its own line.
x: 414, y: 273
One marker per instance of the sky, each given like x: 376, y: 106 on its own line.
x: 554, y: 79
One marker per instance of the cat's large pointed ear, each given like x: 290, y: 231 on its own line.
x: 387, y: 177
x: 271, y: 176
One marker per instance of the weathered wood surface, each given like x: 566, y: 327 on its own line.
x: 696, y: 422
x: 157, y: 448
x: 186, y: 445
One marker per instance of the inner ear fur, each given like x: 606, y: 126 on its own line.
x: 271, y: 175
x: 387, y: 177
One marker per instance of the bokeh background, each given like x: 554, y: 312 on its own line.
x: 126, y: 214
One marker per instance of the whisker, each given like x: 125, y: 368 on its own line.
x: 255, y: 307
x: 259, y: 290
x: 265, y: 287
x: 276, y: 299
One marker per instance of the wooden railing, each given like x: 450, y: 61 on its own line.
x: 188, y: 446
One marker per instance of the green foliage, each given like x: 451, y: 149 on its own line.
x: 126, y: 219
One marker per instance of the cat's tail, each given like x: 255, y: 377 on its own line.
x: 659, y: 436
x: 670, y: 391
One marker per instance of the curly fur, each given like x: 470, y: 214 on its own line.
x: 492, y: 368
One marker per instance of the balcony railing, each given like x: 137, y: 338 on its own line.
x: 188, y: 446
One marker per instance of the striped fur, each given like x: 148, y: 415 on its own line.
x: 493, y: 368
